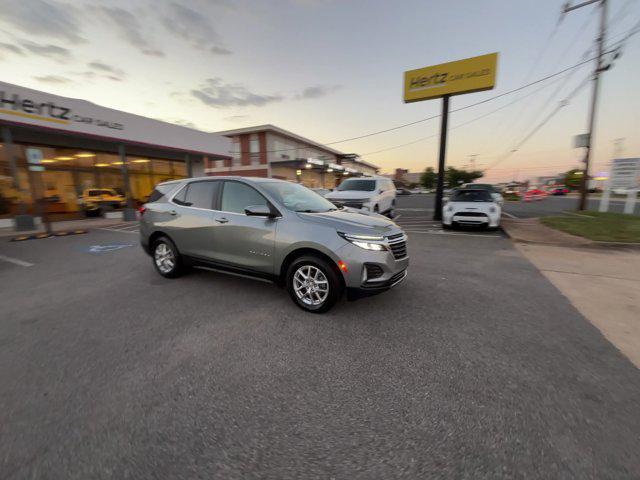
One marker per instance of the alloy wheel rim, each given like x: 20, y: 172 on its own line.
x: 165, y: 261
x: 311, y: 285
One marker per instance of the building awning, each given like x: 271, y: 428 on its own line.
x: 26, y: 107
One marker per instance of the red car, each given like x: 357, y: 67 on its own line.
x: 534, y: 194
x: 559, y: 191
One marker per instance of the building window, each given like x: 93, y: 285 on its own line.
x: 235, y: 152
x: 254, y: 149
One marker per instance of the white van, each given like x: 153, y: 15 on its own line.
x: 371, y: 194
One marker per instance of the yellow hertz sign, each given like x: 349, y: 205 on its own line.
x: 463, y: 76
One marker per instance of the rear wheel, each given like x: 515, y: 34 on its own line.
x: 166, y: 258
x: 313, y: 284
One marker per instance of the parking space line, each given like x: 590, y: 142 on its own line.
x: 510, y: 215
x: 16, y: 261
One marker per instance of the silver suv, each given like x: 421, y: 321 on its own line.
x: 272, y: 229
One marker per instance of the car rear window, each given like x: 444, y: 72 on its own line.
x: 161, y: 190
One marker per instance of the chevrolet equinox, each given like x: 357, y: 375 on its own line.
x: 272, y: 229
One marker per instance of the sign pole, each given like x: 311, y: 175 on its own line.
x: 437, y: 214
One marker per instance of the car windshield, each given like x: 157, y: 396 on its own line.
x: 481, y: 186
x: 472, y: 196
x: 357, y: 185
x: 297, y: 198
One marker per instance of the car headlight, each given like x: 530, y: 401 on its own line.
x: 368, y: 242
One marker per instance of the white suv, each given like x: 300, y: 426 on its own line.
x: 372, y: 194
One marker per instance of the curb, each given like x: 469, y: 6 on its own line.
x: 585, y: 242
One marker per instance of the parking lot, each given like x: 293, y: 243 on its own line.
x: 474, y: 367
x: 552, y: 205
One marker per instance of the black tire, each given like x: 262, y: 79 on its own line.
x: 447, y: 227
x: 334, y: 284
x: 178, y: 264
x: 392, y: 210
x: 376, y: 209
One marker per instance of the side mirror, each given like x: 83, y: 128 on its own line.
x: 259, y: 211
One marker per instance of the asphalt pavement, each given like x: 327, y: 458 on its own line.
x: 552, y: 205
x: 475, y: 367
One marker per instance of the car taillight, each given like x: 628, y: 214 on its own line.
x: 141, y: 210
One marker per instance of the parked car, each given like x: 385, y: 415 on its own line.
x: 403, y: 191
x: 370, y: 194
x: 558, y: 190
x: 535, y: 194
x: 94, y: 201
x: 471, y: 207
x: 273, y: 229
x: 323, y: 192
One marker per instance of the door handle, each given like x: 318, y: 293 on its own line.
x: 172, y: 212
x: 222, y: 220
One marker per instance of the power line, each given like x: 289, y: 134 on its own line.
x: 464, y: 123
x: 398, y: 127
x: 535, y: 130
x: 515, y: 121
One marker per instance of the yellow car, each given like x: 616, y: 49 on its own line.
x: 95, y: 201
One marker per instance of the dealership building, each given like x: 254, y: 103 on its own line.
x: 273, y: 152
x: 54, y: 148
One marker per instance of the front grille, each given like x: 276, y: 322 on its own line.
x: 398, y: 245
x: 471, y: 214
x: 373, y: 271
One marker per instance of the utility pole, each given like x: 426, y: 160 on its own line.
x: 600, y: 67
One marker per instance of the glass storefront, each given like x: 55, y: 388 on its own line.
x: 68, y: 173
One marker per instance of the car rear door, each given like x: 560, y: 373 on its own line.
x: 244, y: 241
x: 190, y: 218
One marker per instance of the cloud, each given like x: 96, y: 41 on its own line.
x: 54, y: 79
x: 47, y: 18
x: 236, y: 118
x: 107, y: 70
x: 128, y: 27
x: 11, y: 48
x: 54, y: 52
x: 195, y: 29
x: 181, y: 122
x: 317, y: 91
x: 215, y: 93
x: 92, y: 75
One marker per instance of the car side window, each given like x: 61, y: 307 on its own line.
x: 236, y: 196
x: 198, y: 195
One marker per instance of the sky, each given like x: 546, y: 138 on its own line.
x: 331, y: 70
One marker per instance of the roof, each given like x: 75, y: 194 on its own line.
x: 272, y: 128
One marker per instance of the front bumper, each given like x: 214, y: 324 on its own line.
x: 370, y: 272
x: 487, y: 219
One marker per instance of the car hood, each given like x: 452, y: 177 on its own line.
x: 348, y: 195
x: 352, y: 221
x: 471, y: 206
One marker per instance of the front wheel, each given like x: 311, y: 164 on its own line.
x: 313, y: 284
x: 166, y: 258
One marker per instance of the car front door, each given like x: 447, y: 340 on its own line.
x: 241, y: 240
x: 190, y: 218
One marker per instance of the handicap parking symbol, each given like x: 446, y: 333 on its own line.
x: 107, y: 248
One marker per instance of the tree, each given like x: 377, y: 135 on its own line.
x: 428, y: 178
x: 455, y: 177
x: 573, y: 178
